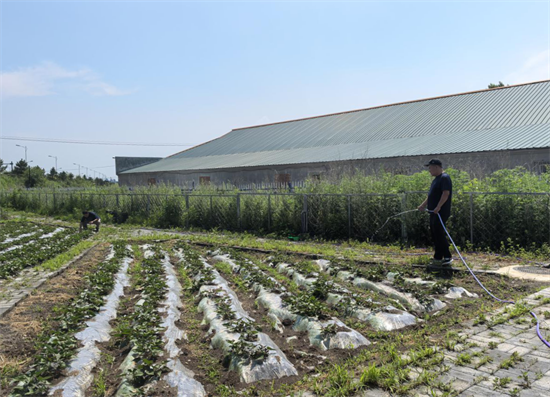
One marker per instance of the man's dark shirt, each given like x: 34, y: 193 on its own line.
x: 439, y: 184
x: 91, y: 216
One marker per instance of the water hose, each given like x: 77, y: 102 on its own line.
x: 387, y: 220
x: 482, y: 286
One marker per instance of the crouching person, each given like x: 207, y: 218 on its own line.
x: 89, y: 218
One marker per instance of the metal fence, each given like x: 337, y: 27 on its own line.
x: 480, y: 219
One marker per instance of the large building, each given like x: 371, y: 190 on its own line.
x: 477, y: 131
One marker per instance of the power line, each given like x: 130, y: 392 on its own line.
x: 80, y: 142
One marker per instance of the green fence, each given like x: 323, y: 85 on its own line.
x: 485, y: 220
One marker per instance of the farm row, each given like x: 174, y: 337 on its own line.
x: 168, y: 317
x: 25, y: 245
x: 174, y: 319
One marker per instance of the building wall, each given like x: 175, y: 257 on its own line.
x: 127, y: 163
x: 476, y: 164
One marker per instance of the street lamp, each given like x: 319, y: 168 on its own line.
x: 29, y: 167
x: 55, y: 157
x: 78, y: 168
x: 25, y: 151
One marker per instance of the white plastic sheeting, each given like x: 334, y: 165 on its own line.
x: 179, y: 376
x: 298, y: 278
x: 98, y: 330
x: 274, y: 366
x: 459, y: 292
x: 383, y: 319
x: 12, y: 239
x: 280, y: 312
x: 48, y: 235
x: 405, y: 298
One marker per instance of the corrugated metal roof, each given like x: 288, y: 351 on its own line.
x: 515, y: 117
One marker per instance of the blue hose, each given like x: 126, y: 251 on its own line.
x: 482, y: 286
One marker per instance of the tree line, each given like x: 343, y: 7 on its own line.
x: 22, y: 174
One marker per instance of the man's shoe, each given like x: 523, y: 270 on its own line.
x: 446, y: 261
x: 436, y: 262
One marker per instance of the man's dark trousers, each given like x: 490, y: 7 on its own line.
x: 439, y: 237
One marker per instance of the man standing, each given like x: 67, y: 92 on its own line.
x: 439, y: 201
x: 89, y: 218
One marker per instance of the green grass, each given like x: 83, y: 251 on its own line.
x: 511, y: 361
x: 60, y: 260
x: 99, y: 387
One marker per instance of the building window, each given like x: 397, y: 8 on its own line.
x: 282, y: 180
x: 315, y: 177
x: 204, y: 180
x: 152, y: 181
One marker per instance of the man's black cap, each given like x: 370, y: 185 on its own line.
x: 434, y: 162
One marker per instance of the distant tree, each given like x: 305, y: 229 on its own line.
x: 20, y: 167
x: 70, y: 176
x: 500, y: 84
x: 2, y: 166
x: 34, y: 177
x: 53, y: 174
x: 63, y: 176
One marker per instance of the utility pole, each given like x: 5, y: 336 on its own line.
x: 78, y: 168
x: 25, y: 151
x: 29, y: 167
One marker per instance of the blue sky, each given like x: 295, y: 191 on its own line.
x: 187, y: 72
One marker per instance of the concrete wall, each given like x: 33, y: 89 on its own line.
x: 127, y: 163
x: 476, y: 164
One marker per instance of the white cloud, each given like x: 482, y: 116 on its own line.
x: 48, y: 77
x: 534, y: 68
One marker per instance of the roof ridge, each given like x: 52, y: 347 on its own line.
x: 391, y: 104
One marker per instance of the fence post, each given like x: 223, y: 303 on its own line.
x: 349, y: 216
x: 471, y: 218
x: 211, y: 213
x: 269, y: 211
x: 187, y: 210
x: 117, y: 201
x: 403, y: 219
x: 239, y: 211
x: 304, y: 215
x: 148, y: 204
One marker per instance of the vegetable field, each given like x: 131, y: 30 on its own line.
x: 165, y: 316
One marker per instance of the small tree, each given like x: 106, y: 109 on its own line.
x: 500, y: 84
x: 34, y: 177
x: 20, y: 167
x: 53, y: 174
x: 2, y: 166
